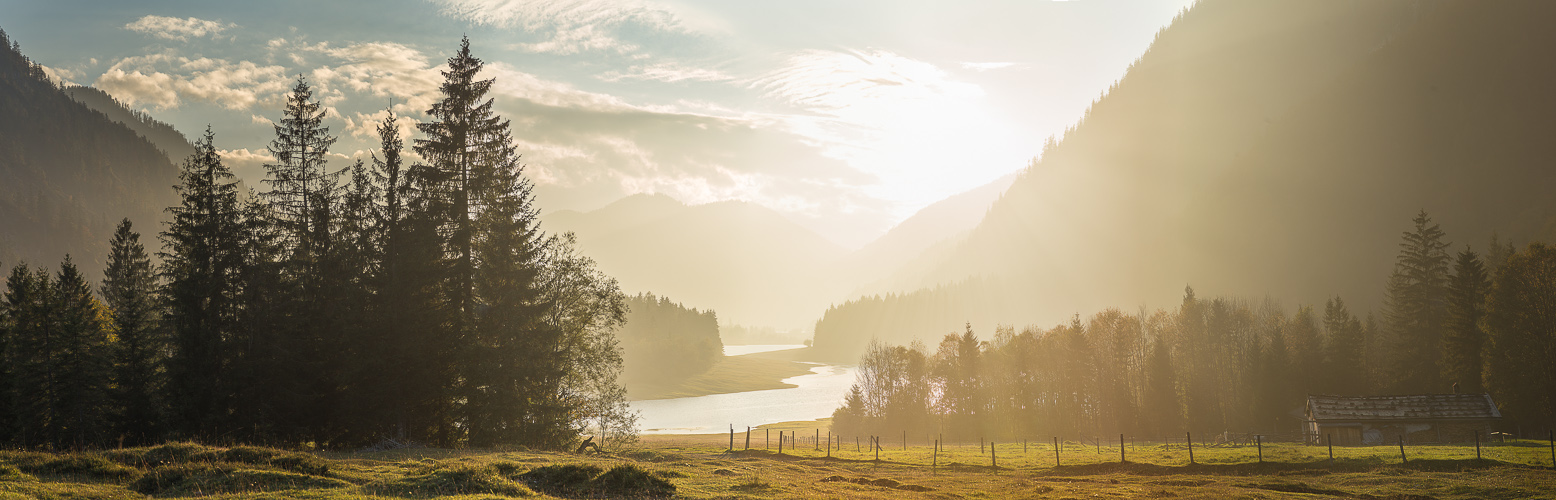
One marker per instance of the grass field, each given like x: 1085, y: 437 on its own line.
x: 701, y: 467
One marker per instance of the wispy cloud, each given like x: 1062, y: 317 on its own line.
x: 667, y: 72
x: 164, y: 80
x: 172, y: 28
x: 569, y: 26
x: 986, y: 66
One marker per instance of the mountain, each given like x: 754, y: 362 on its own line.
x: 162, y: 135
x: 1260, y: 148
x: 932, y: 229
x: 746, y: 262
x: 69, y: 173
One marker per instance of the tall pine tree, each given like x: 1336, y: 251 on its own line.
x: 85, y: 361
x: 1464, y: 340
x: 1416, y: 308
x: 129, y: 289
x: 203, y: 265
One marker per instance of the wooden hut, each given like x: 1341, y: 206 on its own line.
x: 1419, y: 418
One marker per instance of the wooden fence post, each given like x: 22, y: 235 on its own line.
x: 1259, y: 441
x: 829, y: 444
x: 780, y: 442
x: 769, y: 444
x: 1402, y: 458
x: 1477, y: 444
x: 876, y: 441
x: 1056, y: 451
x: 732, y: 438
x: 857, y: 449
x: 934, y: 461
x: 748, y: 437
x: 1121, y: 458
x: 993, y: 459
x: 1188, y: 438
x: 1330, y: 439
x: 904, y: 440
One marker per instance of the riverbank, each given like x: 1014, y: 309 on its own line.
x: 748, y: 372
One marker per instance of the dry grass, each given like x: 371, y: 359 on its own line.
x: 701, y: 467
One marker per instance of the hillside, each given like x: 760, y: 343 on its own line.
x: 172, y: 142
x: 932, y: 230
x: 1265, y: 148
x: 747, y: 263
x: 70, y: 173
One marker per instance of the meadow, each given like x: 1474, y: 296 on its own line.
x: 702, y: 467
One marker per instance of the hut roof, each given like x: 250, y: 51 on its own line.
x: 1405, y: 407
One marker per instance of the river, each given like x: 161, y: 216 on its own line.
x: 818, y: 394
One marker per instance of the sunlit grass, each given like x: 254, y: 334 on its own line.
x: 702, y: 467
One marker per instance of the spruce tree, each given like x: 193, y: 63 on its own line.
x: 85, y: 361
x: 1416, y: 308
x: 203, y: 264
x: 129, y: 290
x: 7, y: 333
x: 462, y: 151
x: 1464, y: 340
x: 30, y: 358
x: 301, y: 187
x: 1345, y: 366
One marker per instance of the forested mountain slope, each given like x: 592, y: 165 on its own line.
x: 162, y: 135
x: 1260, y: 148
x: 68, y: 173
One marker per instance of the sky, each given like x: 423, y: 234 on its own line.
x: 847, y: 117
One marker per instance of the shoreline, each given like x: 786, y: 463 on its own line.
x: 744, y: 373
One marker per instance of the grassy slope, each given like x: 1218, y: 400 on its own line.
x: 749, y: 372
x: 700, y: 468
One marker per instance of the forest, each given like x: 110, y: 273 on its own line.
x: 664, y: 341
x: 1452, y: 322
x: 413, y: 301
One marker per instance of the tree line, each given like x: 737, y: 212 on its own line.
x: 665, y: 341
x: 408, y: 300
x: 1465, y: 322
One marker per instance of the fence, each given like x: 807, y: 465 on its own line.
x: 1219, y: 450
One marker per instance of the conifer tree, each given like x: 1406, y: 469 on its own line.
x: 1164, y: 411
x: 129, y: 290
x: 203, y: 264
x: 1416, y: 308
x: 463, y: 151
x: 1344, y: 347
x: 7, y: 385
x: 30, y: 357
x: 1464, y: 340
x: 301, y: 187
x: 85, y: 361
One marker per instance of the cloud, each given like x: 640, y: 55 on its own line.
x: 172, y: 28
x: 569, y: 26
x: 986, y: 66
x: 165, y: 80
x: 247, y: 165
x: 61, y: 75
x: 667, y: 72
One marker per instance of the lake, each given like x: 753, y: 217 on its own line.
x: 816, y: 396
